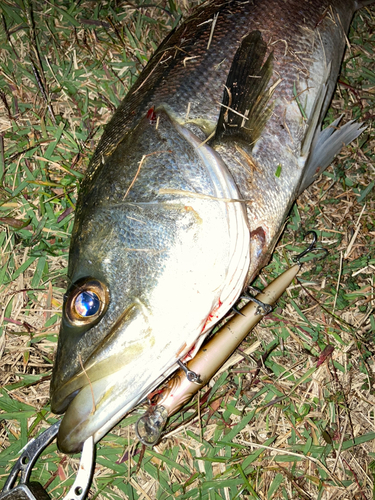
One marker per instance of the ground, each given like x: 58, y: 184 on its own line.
x: 293, y: 415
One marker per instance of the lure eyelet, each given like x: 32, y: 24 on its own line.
x: 86, y: 302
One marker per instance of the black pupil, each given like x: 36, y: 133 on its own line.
x: 87, y: 303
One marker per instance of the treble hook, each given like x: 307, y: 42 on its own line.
x: 311, y: 248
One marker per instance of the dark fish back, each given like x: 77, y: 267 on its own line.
x: 189, y: 69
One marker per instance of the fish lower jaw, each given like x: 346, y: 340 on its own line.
x: 100, y: 405
x: 91, y: 413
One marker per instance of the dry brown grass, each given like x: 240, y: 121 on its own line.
x: 300, y: 418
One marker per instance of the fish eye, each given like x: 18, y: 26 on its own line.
x: 87, y: 304
x: 86, y: 301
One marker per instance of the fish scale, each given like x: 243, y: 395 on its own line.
x: 169, y: 229
x: 168, y: 79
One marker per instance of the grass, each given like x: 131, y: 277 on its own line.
x: 295, y: 418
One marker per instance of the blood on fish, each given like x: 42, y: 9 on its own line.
x: 189, y: 354
x: 212, y: 315
x: 151, y: 115
x: 259, y: 234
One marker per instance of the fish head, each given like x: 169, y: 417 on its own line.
x: 150, y: 273
x: 105, y: 327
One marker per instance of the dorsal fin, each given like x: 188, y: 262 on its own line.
x: 245, y: 108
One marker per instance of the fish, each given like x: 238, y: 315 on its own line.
x: 187, y: 193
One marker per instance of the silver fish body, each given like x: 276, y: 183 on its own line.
x: 168, y: 230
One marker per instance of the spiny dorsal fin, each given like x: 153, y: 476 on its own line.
x: 245, y: 109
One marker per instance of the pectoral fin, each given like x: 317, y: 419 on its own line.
x: 245, y: 106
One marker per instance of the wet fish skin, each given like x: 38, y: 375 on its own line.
x: 118, y: 237
x: 305, y: 37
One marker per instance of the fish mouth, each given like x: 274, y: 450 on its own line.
x: 93, y: 399
x: 92, y: 412
x: 96, y: 407
x: 110, y: 382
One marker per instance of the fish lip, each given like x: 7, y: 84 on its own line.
x: 94, y: 412
x: 70, y: 439
x: 62, y: 396
x: 60, y: 405
x: 100, y: 404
